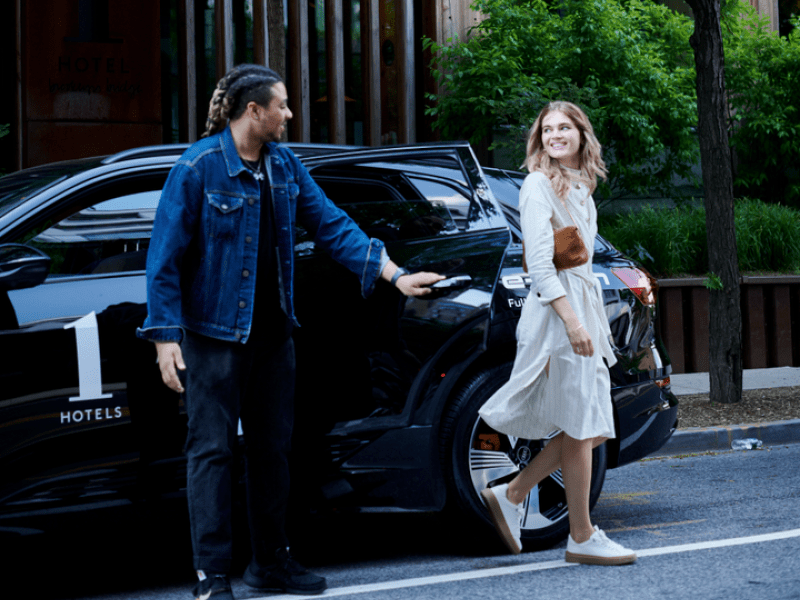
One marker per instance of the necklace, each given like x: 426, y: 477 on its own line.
x: 255, y: 167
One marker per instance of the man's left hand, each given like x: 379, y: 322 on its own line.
x: 417, y: 284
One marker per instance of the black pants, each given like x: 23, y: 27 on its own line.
x: 225, y: 382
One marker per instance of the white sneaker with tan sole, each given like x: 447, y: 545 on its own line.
x: 598, y: 550
x: 506, y: 516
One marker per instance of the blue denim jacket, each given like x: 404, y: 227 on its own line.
x: 201, y: 264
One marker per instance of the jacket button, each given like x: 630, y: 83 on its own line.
x: 248, y: 239
x: 224, y: 207
x: 245, y: 273
x: 251, y: 202
x: 242, y: 304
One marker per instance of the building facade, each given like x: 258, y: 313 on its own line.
x: 93, y: 77
x: 98, y: 76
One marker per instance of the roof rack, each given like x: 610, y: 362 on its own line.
x: 146, y: 152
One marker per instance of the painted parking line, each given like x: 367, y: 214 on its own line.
x: 532, y: 567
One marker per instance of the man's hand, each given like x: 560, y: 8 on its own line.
x: 412, y: 284
x: 416, y: 284
x: 170, y: 359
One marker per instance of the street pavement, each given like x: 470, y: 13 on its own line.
x: 710, y: 526
x: 704, y: 439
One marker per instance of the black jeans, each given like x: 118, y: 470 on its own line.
x: 224, y: 382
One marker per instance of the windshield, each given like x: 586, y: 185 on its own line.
x: 18, y: 187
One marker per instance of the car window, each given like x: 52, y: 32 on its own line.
x: 447, y: 196
x: 110, y: 236
x: 385, y: 206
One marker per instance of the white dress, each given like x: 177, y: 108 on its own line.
x: 576, y: 395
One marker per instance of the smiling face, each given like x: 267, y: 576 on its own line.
x: 270, y: 121
x: 561, y: 139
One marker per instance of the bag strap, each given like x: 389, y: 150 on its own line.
x: 564, y: 204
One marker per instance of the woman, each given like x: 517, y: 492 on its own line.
x: 559, y: 381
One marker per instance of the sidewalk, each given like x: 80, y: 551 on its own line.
x: 703, y: 439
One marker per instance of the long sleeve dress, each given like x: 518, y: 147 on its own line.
x: 576, y: 395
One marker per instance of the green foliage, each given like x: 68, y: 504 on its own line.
x: 764, y: 92
x: 4, y: 129
x: 767, y: 237
x: 713, y: 282
x: 674, y: 239
x: 672, y: 242
x: 626, y: 62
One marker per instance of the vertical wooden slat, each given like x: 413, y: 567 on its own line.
x: 408, y: 68
x: 699, y: 327
x: 300, y: 125
x: 780, y: 354
x: 260, y: 33
x: 670, y: 306
x: 187, y: 73
x: 18, y: 108
x: 753, y: 327
x: 223, y: 21
x: 334, y: 58
x: 371, y: 70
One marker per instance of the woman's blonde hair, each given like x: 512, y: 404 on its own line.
x: 591, y: 160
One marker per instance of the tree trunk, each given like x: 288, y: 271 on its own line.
x: 725, y: 323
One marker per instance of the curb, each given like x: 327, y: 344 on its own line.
x: 704, y: 439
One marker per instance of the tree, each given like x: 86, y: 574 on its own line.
x: 761, y: 77
x: 626, y: 62
x: 725, y: 322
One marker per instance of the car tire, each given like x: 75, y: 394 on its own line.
x: 474, y: 455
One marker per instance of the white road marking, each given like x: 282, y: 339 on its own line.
x: 532, y: 567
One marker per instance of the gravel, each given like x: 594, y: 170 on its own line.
x: 757, y: 406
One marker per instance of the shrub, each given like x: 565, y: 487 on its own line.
x: 672, y: 242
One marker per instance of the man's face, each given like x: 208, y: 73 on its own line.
x: 272, y: 118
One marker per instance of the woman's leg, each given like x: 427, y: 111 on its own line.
x: 577, y: 471
x: 547, y: 462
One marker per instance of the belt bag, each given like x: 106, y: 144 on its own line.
x: 568, y: 250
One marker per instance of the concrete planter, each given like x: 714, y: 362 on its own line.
x: 770, y: 322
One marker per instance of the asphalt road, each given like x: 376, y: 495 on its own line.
x: 713, y: 526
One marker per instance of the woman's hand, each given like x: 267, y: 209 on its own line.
x: 580, y: 340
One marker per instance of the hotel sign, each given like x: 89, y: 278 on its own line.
x: 92, y: 77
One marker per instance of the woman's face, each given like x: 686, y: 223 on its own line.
x: 562, y: 139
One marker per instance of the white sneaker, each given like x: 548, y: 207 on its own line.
x: 598, y: 550
x: 506, y: 516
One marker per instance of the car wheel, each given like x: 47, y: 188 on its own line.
x: 475, y: 455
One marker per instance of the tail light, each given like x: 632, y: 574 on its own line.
x: 639, y: 281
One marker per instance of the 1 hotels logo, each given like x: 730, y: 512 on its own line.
x: 90, y: 381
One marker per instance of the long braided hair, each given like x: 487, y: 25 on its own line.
x: 241, y: 85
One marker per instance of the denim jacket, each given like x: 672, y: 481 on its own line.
x: 201, y: 264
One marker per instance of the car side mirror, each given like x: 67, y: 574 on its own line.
x: 22, y: 267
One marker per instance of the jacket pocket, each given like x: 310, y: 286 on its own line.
x: 225, y: 215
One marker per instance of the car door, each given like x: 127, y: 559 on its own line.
x: 361, y: 362
x: 84, y: 415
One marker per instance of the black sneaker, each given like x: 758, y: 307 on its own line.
x: 285, y: 575
x: 214, y: 586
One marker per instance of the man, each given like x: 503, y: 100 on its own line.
x: 220, y: 273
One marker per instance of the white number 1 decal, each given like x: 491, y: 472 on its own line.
x: 87, y: 340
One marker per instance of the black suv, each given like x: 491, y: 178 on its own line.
x: 388, y: 387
